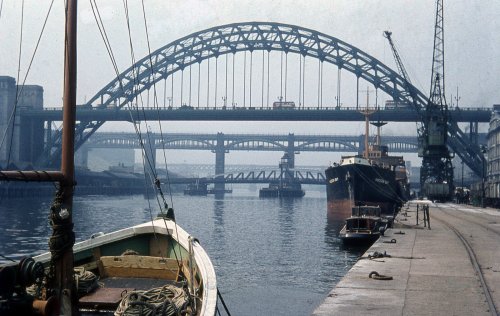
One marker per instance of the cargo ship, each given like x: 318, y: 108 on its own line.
x: 372, y: 179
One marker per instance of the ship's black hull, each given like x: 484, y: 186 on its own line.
x: 357, y: 184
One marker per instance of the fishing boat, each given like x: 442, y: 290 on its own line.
x: 364, y: 226
x: 152, y: 268
x: 374, y: 179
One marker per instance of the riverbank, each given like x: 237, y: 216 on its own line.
x: 452, y: 268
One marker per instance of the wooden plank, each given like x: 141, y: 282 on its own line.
x: 140, y: 266
x: 158, y: 246
x: 103, y: 298
x: 187, y: 273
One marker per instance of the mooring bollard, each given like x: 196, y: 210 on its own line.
x: 428, y: 217
x: 417, y: 214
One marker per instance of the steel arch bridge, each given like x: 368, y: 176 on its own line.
x: 254, y: 36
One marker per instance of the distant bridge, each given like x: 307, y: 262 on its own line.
x: 252, y: 142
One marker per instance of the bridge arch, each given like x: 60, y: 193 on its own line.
x: 230, y: 39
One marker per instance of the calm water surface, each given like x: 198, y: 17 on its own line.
x: 271, y: 256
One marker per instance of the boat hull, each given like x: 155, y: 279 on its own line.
x: 356, y: 184
x: 358, y: 239
x: 161, y: 239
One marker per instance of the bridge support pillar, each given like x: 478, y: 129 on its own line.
x: 220, y: 160
x: 473, y: 132
x: 290, y: 150
x: 150, y: 154
x: 82, y: 156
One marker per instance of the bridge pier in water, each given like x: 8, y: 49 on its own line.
x: 150, y: 155
x: 290, y: 150
x: 220, y: 160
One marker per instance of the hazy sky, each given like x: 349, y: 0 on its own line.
x: 471, y: 42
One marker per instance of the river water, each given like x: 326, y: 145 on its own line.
x: 271, y: 256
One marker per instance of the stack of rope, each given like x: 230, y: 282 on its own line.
x: 165, y: 301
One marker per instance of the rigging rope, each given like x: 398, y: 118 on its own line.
x: 9, y: 149
x: 156, y: 181
x: 12, y: 114
x: 137, y: 127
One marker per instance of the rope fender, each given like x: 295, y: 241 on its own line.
x: 376, y: 276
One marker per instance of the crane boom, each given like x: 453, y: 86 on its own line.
x: 399, y: 62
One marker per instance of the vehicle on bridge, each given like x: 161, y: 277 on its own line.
x: 283, y: 105
x: 394, y: 105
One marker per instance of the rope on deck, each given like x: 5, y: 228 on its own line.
x: 168, y: 300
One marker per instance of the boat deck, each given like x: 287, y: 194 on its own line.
x: 432, y: 270
x: 105, y: 300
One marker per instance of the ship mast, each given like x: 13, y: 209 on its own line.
x: 367, y: 112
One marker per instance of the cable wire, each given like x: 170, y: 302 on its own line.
x: 12, y: 114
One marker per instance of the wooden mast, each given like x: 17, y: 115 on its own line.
x: 63, y: 278
x: 62, y: 240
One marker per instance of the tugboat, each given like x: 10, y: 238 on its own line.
x: 287, y: 186
x: 364, y: 226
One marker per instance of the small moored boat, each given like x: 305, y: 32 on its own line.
x: 364, y: 226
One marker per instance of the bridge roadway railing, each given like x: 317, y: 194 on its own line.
x: 462, y: 114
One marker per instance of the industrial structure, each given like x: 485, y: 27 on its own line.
x: 436, y: 173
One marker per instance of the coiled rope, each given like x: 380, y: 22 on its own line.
x: 376, y: 276
x: 86, y: 282
x: 168, y: 300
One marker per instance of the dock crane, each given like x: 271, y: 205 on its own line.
x: 436, y: 173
